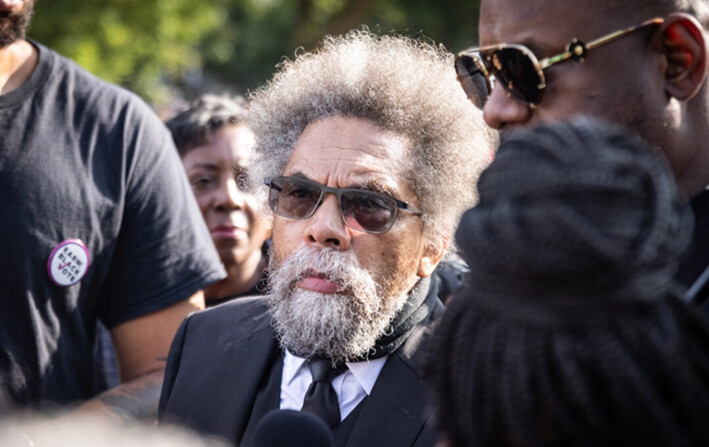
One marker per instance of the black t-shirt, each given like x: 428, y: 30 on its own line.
x: 81, y: 159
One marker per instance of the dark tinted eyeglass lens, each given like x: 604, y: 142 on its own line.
x: 473, y: 81
x: 517, y: 73
x: 368, y: 211
x: 294, y: 198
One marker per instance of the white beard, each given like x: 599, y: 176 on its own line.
x: 341, y: 326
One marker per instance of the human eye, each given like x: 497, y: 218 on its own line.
x: 366, y: 201
x: 202, y: 182
x: 374, y: 202
x: 299, y: 192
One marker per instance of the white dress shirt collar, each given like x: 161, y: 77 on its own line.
x: 351, y: 386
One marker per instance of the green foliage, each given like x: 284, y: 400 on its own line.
x: 262, y: 32
x: 135, y: 43
x: 151, y: 46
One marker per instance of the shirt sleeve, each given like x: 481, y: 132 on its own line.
x: 163, y: 253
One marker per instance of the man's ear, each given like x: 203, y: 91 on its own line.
x: 682, y: 41
x: 432, y: 255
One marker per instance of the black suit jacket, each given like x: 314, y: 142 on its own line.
x: 219, y: 357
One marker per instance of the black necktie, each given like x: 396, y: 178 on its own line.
x: 321, y: 399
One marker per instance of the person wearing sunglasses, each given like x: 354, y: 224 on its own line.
x: 641, y: 64
x: 366, y: 172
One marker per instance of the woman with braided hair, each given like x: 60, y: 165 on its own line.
x: 572, y: 332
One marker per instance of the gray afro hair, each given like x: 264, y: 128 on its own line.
x: 402, y: 84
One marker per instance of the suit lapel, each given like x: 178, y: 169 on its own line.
x: 395, y: 412
x: 248, y: 363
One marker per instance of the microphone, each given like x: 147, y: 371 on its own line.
x: 290, y: 428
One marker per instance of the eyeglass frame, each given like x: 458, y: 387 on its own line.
x: 575, y: 50
x: 400, y: 204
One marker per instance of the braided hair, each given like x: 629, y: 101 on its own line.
x: 571, y: 332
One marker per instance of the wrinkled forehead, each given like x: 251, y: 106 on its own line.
x: 548, y: 23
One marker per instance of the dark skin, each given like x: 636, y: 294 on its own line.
x: 231, y: 213
x: 17, y: 57
x: 652, y: 80
x: 141, y: 345
x: 134, y: 400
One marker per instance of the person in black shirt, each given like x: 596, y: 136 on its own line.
x: 98, y: 223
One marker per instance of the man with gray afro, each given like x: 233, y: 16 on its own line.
x: 574, y: 333
x: 370, y: 153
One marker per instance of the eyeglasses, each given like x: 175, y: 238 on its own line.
x: 518, y: 70
x: 362, y: 210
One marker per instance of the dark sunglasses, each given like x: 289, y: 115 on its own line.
x: 362, y: 210
x: 518, y: 70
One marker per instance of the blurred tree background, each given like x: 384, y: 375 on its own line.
x: 168, y: 49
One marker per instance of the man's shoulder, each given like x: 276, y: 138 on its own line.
x: 85, y: 86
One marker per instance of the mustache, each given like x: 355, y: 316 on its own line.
x: 326, y: 263
x: 316, y: 273
x: 22, y: 16
x: 17, y: 21
x: 342, y: 325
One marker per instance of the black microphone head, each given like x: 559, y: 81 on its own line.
x: 290, y: 428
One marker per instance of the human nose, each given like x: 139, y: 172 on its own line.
x: 230, y: 197
x: 326, y: 228
x: 502, y: 110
